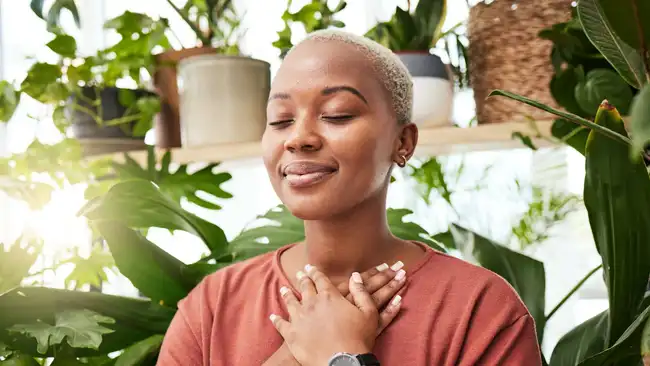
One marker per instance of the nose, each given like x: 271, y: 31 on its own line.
x: 304, y: 137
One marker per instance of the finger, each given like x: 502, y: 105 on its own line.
x: 383, y: 295
x: 382, y: 277
x: 306, y: 286
x: 290, y: 300
x: 388, y: 315
x: 281, y: 325
x: 344, y: 287
x: 362, y: 298
x: 323, y: 284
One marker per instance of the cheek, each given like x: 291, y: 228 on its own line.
x: 363, y: 150
x: 272, y: 148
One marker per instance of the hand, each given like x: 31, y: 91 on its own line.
x: 326, y: 323
x: 382, y: 282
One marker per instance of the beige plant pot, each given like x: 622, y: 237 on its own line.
x: 222, y: 99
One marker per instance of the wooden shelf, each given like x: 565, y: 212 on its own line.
x: 432, y: 142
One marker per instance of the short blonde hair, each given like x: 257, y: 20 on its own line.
x: 390, y: 70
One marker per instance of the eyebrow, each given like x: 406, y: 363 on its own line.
x: 326, y: 91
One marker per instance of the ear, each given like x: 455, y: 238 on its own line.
x: 405, y: 145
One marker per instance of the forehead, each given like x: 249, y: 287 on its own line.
x: 318, y: 64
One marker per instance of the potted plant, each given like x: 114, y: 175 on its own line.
x: 216, y: 79
x: 83, y: 91
x: 411, y: 35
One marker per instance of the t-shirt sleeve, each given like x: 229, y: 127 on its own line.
x: 514, y: 345
x: 180, y: 346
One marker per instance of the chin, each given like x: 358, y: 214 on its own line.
x: 312, y: 210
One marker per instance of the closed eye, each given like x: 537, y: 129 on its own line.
x: 280, y: 122
x: 338, y: 118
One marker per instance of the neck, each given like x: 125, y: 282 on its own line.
x: 354, y: 241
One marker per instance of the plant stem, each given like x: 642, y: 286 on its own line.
x: 573, y: 291
x: 644, y: 48
x: 568, y: 116
x: 205, y: 40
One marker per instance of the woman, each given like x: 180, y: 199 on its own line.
x: 338, y: 122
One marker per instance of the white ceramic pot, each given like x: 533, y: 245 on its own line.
x: 222, y: 99
x: 433, y: 89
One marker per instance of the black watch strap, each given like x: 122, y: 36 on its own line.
x: 368, y: 359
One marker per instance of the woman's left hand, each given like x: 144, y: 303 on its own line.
x: 325, y: 323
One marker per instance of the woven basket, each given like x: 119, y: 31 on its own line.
x: 505, y: 53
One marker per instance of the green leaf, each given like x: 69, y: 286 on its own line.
x: 629, y: 18
x: 574, y: 136
x: 80, y: 328
x: 431, y: 14
x: 630, y: 339
x: 581, y: 342
x: 645, y: 341
x: 37, y: 8
x: 135, y: 319
x: 9, y: 99
x: 407, y: 24
x: 54, y: 14
x: 601, y: 84
x: 42, y: 83
x: 178, y: 184
x: 525, y: 139
x: 16, y: 262
x: 625, y: 59
x: 283, y: 229
x: 63, y: 45
x: 525, y: 274
x: 568, y: 116
x: 409, y: 230
x: 640, y: 121
x: 20, y: 359
x: 35, y: 194
x: 89, y: 271
x: 156, y: 273
x: 562, y: 87
x: 616, y: 195
x: 430, y: 176
x: 140, y: 204
x: 4, y: 351
x: 137, y: 353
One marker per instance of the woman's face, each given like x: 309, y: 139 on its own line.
x: 331, y: 135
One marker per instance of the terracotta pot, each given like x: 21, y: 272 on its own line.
x: 168, y: 128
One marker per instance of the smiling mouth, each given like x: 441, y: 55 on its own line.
x: 308, y: 179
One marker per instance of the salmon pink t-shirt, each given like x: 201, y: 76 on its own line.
x: 453, y: 313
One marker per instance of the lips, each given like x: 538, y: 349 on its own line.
x: 306, y: 173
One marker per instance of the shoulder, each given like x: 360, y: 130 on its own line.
x: 233, y: 281
x: 466, y: 283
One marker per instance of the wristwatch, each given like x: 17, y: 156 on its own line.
x: 347, y: 359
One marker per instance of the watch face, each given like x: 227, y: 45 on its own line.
x: 344, y: 360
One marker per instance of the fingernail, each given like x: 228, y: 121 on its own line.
x: 284, y: 290
x: 400, y: 275
x: 382, y: 267
x: 273, y: 317
x: 397, y: 266
x: 396, y: 300
x: 308, y: 267
x: 300, y: 275
x: 356, y: 277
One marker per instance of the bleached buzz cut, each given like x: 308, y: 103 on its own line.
x: 390, y: 70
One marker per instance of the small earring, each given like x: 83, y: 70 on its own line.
x: 402, y: 163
